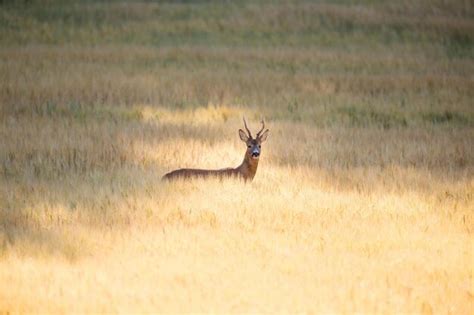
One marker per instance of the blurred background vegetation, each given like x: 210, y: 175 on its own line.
x: 353, y: 63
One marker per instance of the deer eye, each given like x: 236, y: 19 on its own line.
x: 249, y: 146
x: 259, y: 146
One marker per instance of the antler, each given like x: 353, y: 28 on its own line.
x: 247, y: 128
x: 263, y: 127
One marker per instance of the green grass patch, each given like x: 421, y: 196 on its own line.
x: 459, y: 45
x: 80, y: 112
x: 446, y: 117
x: 361, y: 117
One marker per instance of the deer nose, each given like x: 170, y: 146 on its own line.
x: 255, y: 153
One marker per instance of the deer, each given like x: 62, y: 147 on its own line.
x: 246, y: 170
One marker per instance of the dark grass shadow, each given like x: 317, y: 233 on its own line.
x: 59, y: 216
x: 20, y: 233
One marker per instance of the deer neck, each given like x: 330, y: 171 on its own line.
x: 248, y: 168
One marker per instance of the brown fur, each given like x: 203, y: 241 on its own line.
x: 246, y: 170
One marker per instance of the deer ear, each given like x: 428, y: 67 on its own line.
x: 264, y: 136
x: 243, y: 136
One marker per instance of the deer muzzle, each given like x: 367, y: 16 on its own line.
x: 255, y: 153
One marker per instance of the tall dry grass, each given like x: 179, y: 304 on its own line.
x: 363, y: 200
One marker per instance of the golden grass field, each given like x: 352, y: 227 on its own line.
x: 363, y: 201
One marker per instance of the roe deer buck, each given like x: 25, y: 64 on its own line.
x: 246, y: 170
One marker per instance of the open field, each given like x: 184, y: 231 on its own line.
x: 364, y: 196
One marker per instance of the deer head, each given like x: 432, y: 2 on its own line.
x: 253, y: 144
